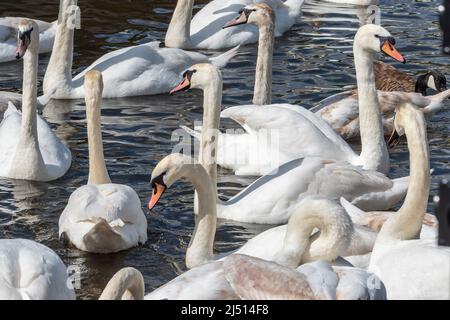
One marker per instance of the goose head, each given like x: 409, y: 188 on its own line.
x: 403, y: 115
x: 433, y: 79
x: 170, y: 169
x: 374, y: 39
x: 259, y: 14
x: 27, y: 35
x: 199, y: 76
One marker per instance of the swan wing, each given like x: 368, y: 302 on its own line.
x: 205, y: 282
x: 257, y: 279
x: 29, y: 270
x: 104, y: 211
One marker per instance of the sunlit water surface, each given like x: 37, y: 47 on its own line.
x: 312, y: 61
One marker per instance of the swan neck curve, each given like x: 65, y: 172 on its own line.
x: 374, y: 153
x: 263, y: 78
x: 178, y: 34
x: 98, y: 174
x: 200, y: 249
x: 59, y: 70
x: 406, y: 223
x: 336, y: 230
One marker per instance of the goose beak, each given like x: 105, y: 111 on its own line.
x: 158, y: 191
x: 388, y: 48
x: 183, y: 86
x: 394, y: 139
x: 241, y: 19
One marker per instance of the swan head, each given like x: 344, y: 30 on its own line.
x: 259, y: 14
x: 199, y: 76
x: 403, y: 115
x: 374, y: 38
x: 170, y: 169
x: 27, y: 35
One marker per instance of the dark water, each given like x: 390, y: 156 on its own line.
x: 312, y: 61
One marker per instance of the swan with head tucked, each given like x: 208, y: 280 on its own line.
x: 31, y: 271
x: 412, y: 268
x: 280, y: 133
x: 8, y: 37
x: 101, y: 217
x: 271, y: 198
x: 205, y: 30
x: 29, y: 150
x: 144, y: 69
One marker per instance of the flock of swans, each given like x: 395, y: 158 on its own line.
x: 334, y: 239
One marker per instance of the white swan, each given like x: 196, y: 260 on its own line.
x: 271, y: 198
x: 101, y: 217
x: 339, y: 230
x: 29, y: 149
x: 205, y: 30
x: 257, y: 279
x: 8, y: 37
x: 279, y: 133
x: 31, y: 271
x: 144, y: 69
x: 412, y: 268
x: 337, y: 235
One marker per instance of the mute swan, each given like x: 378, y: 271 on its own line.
x: 126, y: 284
x: 144, y: 69
x: 257, y: 279
x: 412, y: 268
x: 31, y: 271
x: 8, y: 34
x: 337, y: 235
x: 101, y: 217
x: 388, y: 78
x: 205, y: 30
x: 29, y: 150
x: 279, y: 133
x: 271, y: 198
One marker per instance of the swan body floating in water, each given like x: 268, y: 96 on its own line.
x: 101, y: 217
x: 29, y: 150
x: 144, y: 69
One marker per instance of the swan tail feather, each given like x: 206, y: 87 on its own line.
x: 45, y: 98
x: 222, y: 60
x: 102, y: 238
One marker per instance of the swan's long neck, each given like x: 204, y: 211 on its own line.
x: 178, y: 34
x: 374, y: 153
x: 59, y: 69
x: 212, y: 100
x: 336, y: 230
x: 407, y: 222
x: 98, y: 174
x: 262, y: 94
x: 200, y: 249
x: 28, y: 162
x: 127, y: 283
